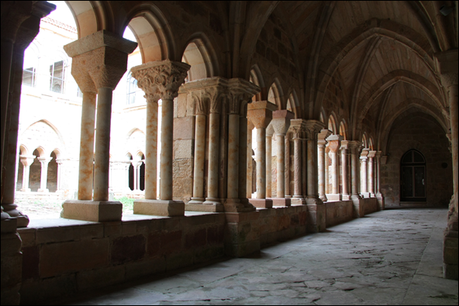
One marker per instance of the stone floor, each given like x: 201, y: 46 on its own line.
x: 389, y: 257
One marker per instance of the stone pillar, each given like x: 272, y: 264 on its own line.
x: 334, y: 143
x: 199, y: 151
x: 288, y: 192
x: 239, y: 93
x: 44, y: 161
x: 260, y: 114
x: 249, y: 166
x: 162, y: 79
x: 321, y: 157
x: 354, y: 147
x: 317, y: 213
x: 344, y: 170
x: 297, y: 126
x: 26, y: 162
x: 379, y: 195
x: 269, y: 158
x: 371, y: 174
x: 364, y: 173
x: 99, y: 61
x: 20, y: 25
x: 448, y: 67
x: 281, y: 122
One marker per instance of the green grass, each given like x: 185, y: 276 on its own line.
x: 128, y: 204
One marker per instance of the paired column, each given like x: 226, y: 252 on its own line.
x: 269, y: 159
x: 281, y: 124
x: 99, y: 62
x: 161, y: 80
x: 364, y: 173
x: 371, y: 173
x: 26, y: 162
x: 379, y: 196
x: 44, y: 161
x: 334, y: 143
x: 344, y: 170
x: 240, y: 93
x: 260, y: 114
x: 317, y: 212
x: 354, y: 148
x: 297, y: 126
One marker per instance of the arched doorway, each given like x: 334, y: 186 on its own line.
x: 412, y: 177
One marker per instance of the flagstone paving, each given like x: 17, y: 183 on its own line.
x: 388, y: 257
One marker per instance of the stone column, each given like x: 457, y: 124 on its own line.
x: 20, y: 25
x: 448, y: 68
x: 317, y: 212
x: 322, y: 158
x: 344, y: 170
x: 354, y: 147
x: 288, y: 192
x: 199, y: 151
x: 379, y: 195
x: 334, y: 143
x: 269, y: 158
x: 249, y: 166
x: 371, y: 173
x: 26, y: 162
x: 99, y: 61
x: 163, y: 79
x: 363, y: 173
x: 281, y: 123
x: 297, y: 126
x: 260, y: 114
x: 44, y: 161
x: 136, y: 165
x: 239, y: 93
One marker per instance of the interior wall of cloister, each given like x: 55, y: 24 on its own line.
x: 233, y: 125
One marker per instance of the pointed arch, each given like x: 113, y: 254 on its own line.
x: 343, y: 129
x: 332, y: 124
x: 275, y: 94
x: 257, y: 78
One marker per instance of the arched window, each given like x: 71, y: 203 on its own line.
x: 412, y: 177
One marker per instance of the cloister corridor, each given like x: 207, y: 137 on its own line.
x: 387, y: 257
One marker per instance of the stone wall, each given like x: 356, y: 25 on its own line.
x: 339, y: 212
x: 421, y: 132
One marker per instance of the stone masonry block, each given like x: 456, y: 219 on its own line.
x: 100, y: 277
x: 30, y: 262
x: 34, y: 292
x: 145, y: 267
x: 184, y: 128
x: 58, y: 258
x: 183, y: 148
x: 128, y: 249
x: 28, y: 236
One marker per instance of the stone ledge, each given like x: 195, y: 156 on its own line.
x: 97, y: 211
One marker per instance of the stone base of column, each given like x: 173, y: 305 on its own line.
x: 345, y: 197
x: 196, y: 201
x: 381, y: 202
x: 317, y: 217
x: 298, y: 200
x: 261, y: 203
x: 97, y: 211
x: 365, y: 195
x: 282, y: 202
x: 11, y: 261
x: 240, y: 236
x: 159, y: 208
x: 205, y: 206
x: 43, y: 190
x: 11, y: 210
x: 26, y: 190
x: 235, y: 205
x: 450, y: 248
x: 358, y: 209
x: 323, y: 198
x: 334, y: 197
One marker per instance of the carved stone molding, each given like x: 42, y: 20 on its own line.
x: 161, y: 79
x: 312, y: 128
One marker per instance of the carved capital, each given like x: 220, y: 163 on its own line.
x: 161, y: 78
x: 312, y: 128
x: 240, y: 92
x: 212, y: 89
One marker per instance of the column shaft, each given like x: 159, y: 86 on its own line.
x: 321, y: 169
x: 354, y: 171
x: 371, y: 176
x: 102, y: 163
x: 212, y: 178
x: 233, y: 157
x: 151, y: 150
x: 242, y: 157
x: 44, y: 174
x: 335, y: 171
x: 166, y: 149
x: 344, y: 172
x: 280, y: 166
x: 199, y: 154
x: 312, y: 177
x: 269, y: 179
x: 297, y: 167
x: 86, y: 162
x: 363, y: 173
x: 261, y: 163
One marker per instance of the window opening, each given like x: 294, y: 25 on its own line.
x: 412, y: 177
x: 56, y: 72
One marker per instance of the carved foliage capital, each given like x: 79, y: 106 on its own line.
x: 161, y: 79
